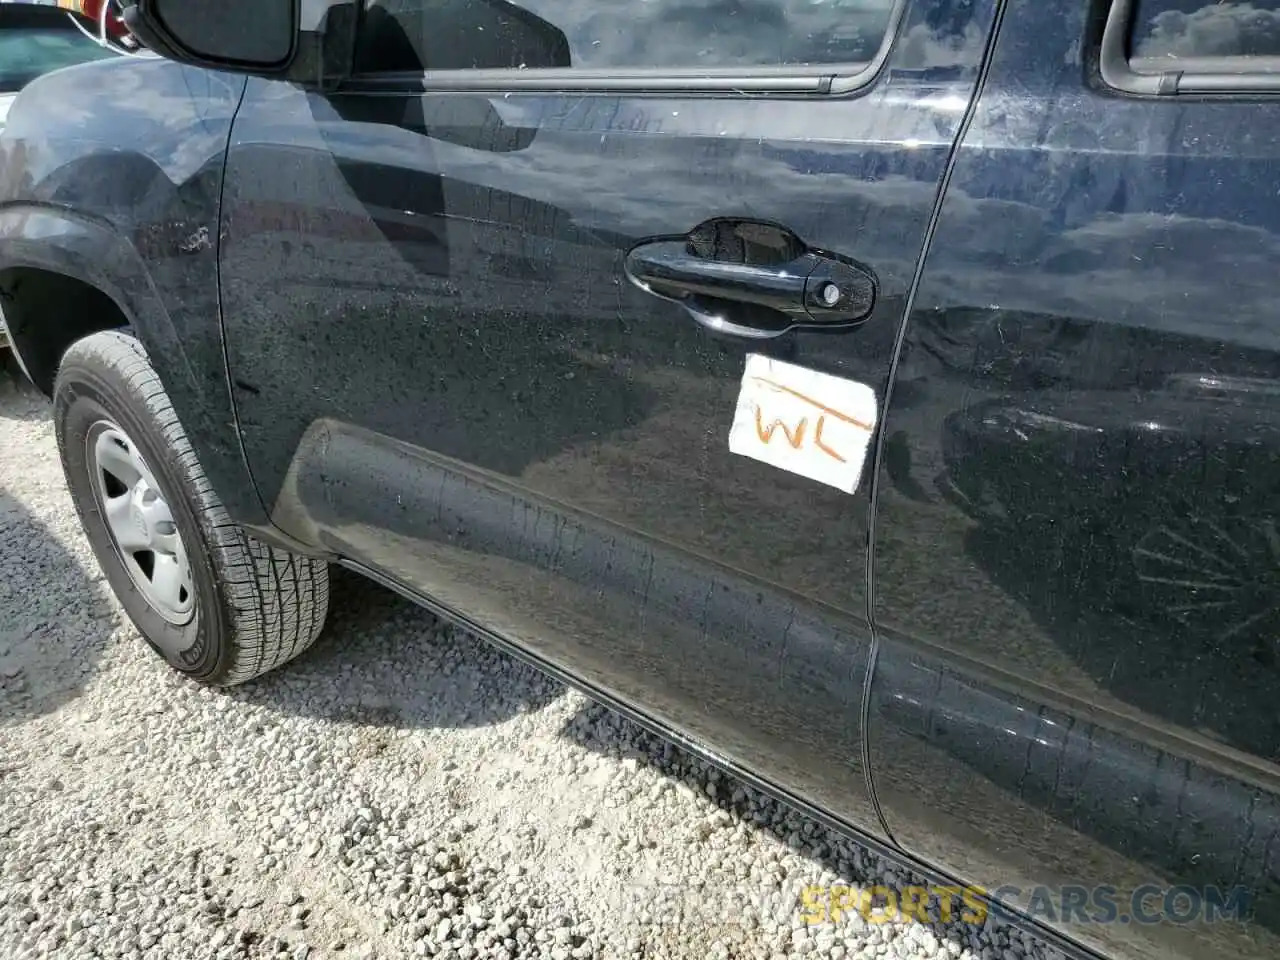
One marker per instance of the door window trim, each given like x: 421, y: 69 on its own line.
x: 817, y: 79
x: 1154, y: 76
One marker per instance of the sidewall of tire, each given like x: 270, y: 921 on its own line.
x: 83, y: 397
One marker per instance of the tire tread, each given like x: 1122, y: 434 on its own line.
x: 276, y: 602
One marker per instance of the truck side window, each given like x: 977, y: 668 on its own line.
x: 414, y: 35
x: 1178, y: 29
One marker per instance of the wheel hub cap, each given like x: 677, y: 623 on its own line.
x: 141, y: 524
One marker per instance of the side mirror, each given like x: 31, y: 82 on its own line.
x: 309, y: 41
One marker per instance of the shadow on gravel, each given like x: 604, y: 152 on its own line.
x: 54, y: 621
x: 384, y: 661
x: 598, y: 728
x: 19, y: 400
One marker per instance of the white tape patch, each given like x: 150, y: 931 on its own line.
x: 804, y: 422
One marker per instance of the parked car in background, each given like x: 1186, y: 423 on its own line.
x: 36, y: 39
x: 106, y: 15
x: 879, y: 398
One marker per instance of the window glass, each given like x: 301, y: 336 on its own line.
x: 411, y: 35
x: 1173, y: 29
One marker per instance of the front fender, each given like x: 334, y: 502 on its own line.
x: 189, y: 363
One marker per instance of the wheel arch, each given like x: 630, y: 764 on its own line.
x: 64, y: 276
x: 46, y: 311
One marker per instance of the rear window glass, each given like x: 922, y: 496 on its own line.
x: 1177, y: 29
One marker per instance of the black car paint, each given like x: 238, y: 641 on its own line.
x: 440, y: 373
x: 111, y: 174
x: 1076, y: 594
x: 463, y: 301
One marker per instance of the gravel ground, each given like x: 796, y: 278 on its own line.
x: 401, y: 790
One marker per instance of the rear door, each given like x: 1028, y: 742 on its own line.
x: 1076, y: 552
x: 489, y: 312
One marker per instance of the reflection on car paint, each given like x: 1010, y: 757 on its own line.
x: 1074, y: 563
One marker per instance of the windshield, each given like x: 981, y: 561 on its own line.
x: 28, y: 52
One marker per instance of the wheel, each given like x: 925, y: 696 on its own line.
x: 218, y: 605
x: 1217, y: 576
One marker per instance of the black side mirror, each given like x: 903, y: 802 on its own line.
x: 309, y: 41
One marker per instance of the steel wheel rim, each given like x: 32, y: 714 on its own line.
x: 140, y: 523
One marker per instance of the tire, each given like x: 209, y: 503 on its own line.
x: 249, y: 607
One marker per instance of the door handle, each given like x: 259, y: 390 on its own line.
x: 757, y: 300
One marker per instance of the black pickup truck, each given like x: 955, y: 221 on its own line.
x: 878, y: 397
